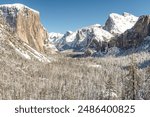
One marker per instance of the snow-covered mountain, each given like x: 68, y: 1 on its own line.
x: 135, y: 39
x: 25, y: 24
x: 117, y: 24
x: 83, y: 38
x: 95, y: 36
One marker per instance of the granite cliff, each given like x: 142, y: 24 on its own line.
x: 25, y: 22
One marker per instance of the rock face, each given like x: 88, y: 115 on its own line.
x: 25, y: 22
x: 135, y: 35
x: 117, y: 24
x: 12, y: 47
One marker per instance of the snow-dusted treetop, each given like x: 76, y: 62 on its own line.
x: 17, y: 6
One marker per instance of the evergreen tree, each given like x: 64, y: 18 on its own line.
x: 110, y: 92
x: 146, y: 85
x: 131, y: 82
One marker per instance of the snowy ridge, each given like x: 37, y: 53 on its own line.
x: 83, y: 37
x: 17, y: 6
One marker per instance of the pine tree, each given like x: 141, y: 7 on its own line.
x: 110, y: 92
x: 146, y: 85
x: 131, y: 82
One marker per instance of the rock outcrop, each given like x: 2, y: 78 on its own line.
x: 134, y: 36
x: 25, y: 23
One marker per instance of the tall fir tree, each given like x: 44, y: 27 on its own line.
x: 131, y: 82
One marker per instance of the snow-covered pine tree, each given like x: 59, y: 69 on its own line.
x: 110, y: 92
x: 132, y: 82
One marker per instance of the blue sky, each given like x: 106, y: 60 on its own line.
x: 63, y: 15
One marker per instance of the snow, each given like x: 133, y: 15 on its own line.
x: 69, y: 32
x: 21, y: 53
x: 83, y: 37
x: 18, y: 6
x: 111, y: 94
x: 117, y: 24
x: 147, y: 38
x: 71, y: 37
x: 50, y: 46
x: 102, y: 35
x: 113, y: 51
x: 55, y: 37
x: 36, y: 54
x: 96, y: 25
x: 29, y: 53
x: 94, y: 66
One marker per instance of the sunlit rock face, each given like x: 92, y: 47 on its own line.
x: 25, y: 22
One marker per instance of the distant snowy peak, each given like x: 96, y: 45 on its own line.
x: 83, y: 38
x: 17, y: 7
x: 117, y: 24
x: 95, y: 31
x: 53, y: 35
x: 54, y: 38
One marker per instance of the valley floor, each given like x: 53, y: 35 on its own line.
x: 70, y: 78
